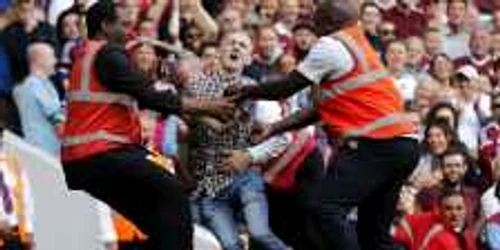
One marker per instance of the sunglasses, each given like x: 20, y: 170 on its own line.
x: 495, y: 105
x: 386, y: 32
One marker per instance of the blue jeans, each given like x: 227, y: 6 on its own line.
x: 246, y: 196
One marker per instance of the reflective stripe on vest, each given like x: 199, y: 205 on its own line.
x: 407, y: 229
x: 430, y: 235
x: 367, y: 77
x: 291, y: 152
x: 354, y: 83
x: 378, y: 124
x: 102, y: 97
x: 91, y: 137
x: 353, y: 47
x: 84, y: 94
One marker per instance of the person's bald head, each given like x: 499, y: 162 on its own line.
x: 333, y: 15
x: 41, y: 58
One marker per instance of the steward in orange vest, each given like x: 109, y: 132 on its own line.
x: 360, y: 105
x: 102, y: 152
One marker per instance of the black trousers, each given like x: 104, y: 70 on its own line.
x: 140, y: 190
x: 12, y: 244
x: 368, y: 176
x: 131, y: 246
x: 289, y: 210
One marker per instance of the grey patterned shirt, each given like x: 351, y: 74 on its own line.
x: 207, y: 146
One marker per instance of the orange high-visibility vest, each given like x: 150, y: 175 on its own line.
x: 364, y: 102
x: 126, y: 231
x: 98, y: 120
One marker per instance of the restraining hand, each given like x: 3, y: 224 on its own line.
x: 236, y: 160
x: 261, y: 132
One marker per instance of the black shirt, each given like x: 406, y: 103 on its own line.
x: 116, y: 72
x: 17, y: 42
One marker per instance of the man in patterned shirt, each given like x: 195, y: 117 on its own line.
x: 220, y: 187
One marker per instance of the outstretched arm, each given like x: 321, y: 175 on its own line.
x: 276, y: 88
x: 328, y: 59
x: 117, y: 73
x: 296, y: 121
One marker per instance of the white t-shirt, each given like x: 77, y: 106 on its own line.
x: 469, y: 127
x: 407, y: 84
x: 490, y: 204
x: 327, y: 58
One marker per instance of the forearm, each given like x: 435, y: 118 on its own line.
x: 269, y: 149
x: 276, y: 88
x: 155, y: 12
x: 205, y: 22
x: 296, y: 121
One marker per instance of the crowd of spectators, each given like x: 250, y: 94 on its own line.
x: 443, y: 54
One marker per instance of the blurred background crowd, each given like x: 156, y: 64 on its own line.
x: 443, y: 54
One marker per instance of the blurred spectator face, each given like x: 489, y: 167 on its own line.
x: 306, y: 9
x: 480, y: 43
x: 496, y: 20
x: 128, y: 12
x: 304, y: 39
x: 397, y: 56
x: 457, y: 12
x: 436, y: 140
x: 267, y: 11
x: 416, y: 50
x: 432, y: 10
x: 145, y: 58
x: 235, y: 51
x: 49, y: 61
x: 267, y: 42
x: 289, y: 12
x: 433, y: 43
x: 484, y: 84
x: 443, y: 68
x: 446, y: 114
x: 452, y: 211
x: 467, y: 87
x: 238, y: 5
x: 387, y: 31
x: 422, y: 103
x: 115, y: 32
x: 371, y: 18
x: 287, y: 63
x: 147, y: 28
x: 43, y: 58
x: 210, y: 59
x: 230, y: 21
x: 70, y: 27
x: 194, y: 39
x: 472, y: 17
x: 454, y: 167
x: 407, y: 3
x: 25, y: 13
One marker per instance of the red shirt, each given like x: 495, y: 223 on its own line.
x: 421, y: 225
x: 428, y: 200
x: 407, y: 23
